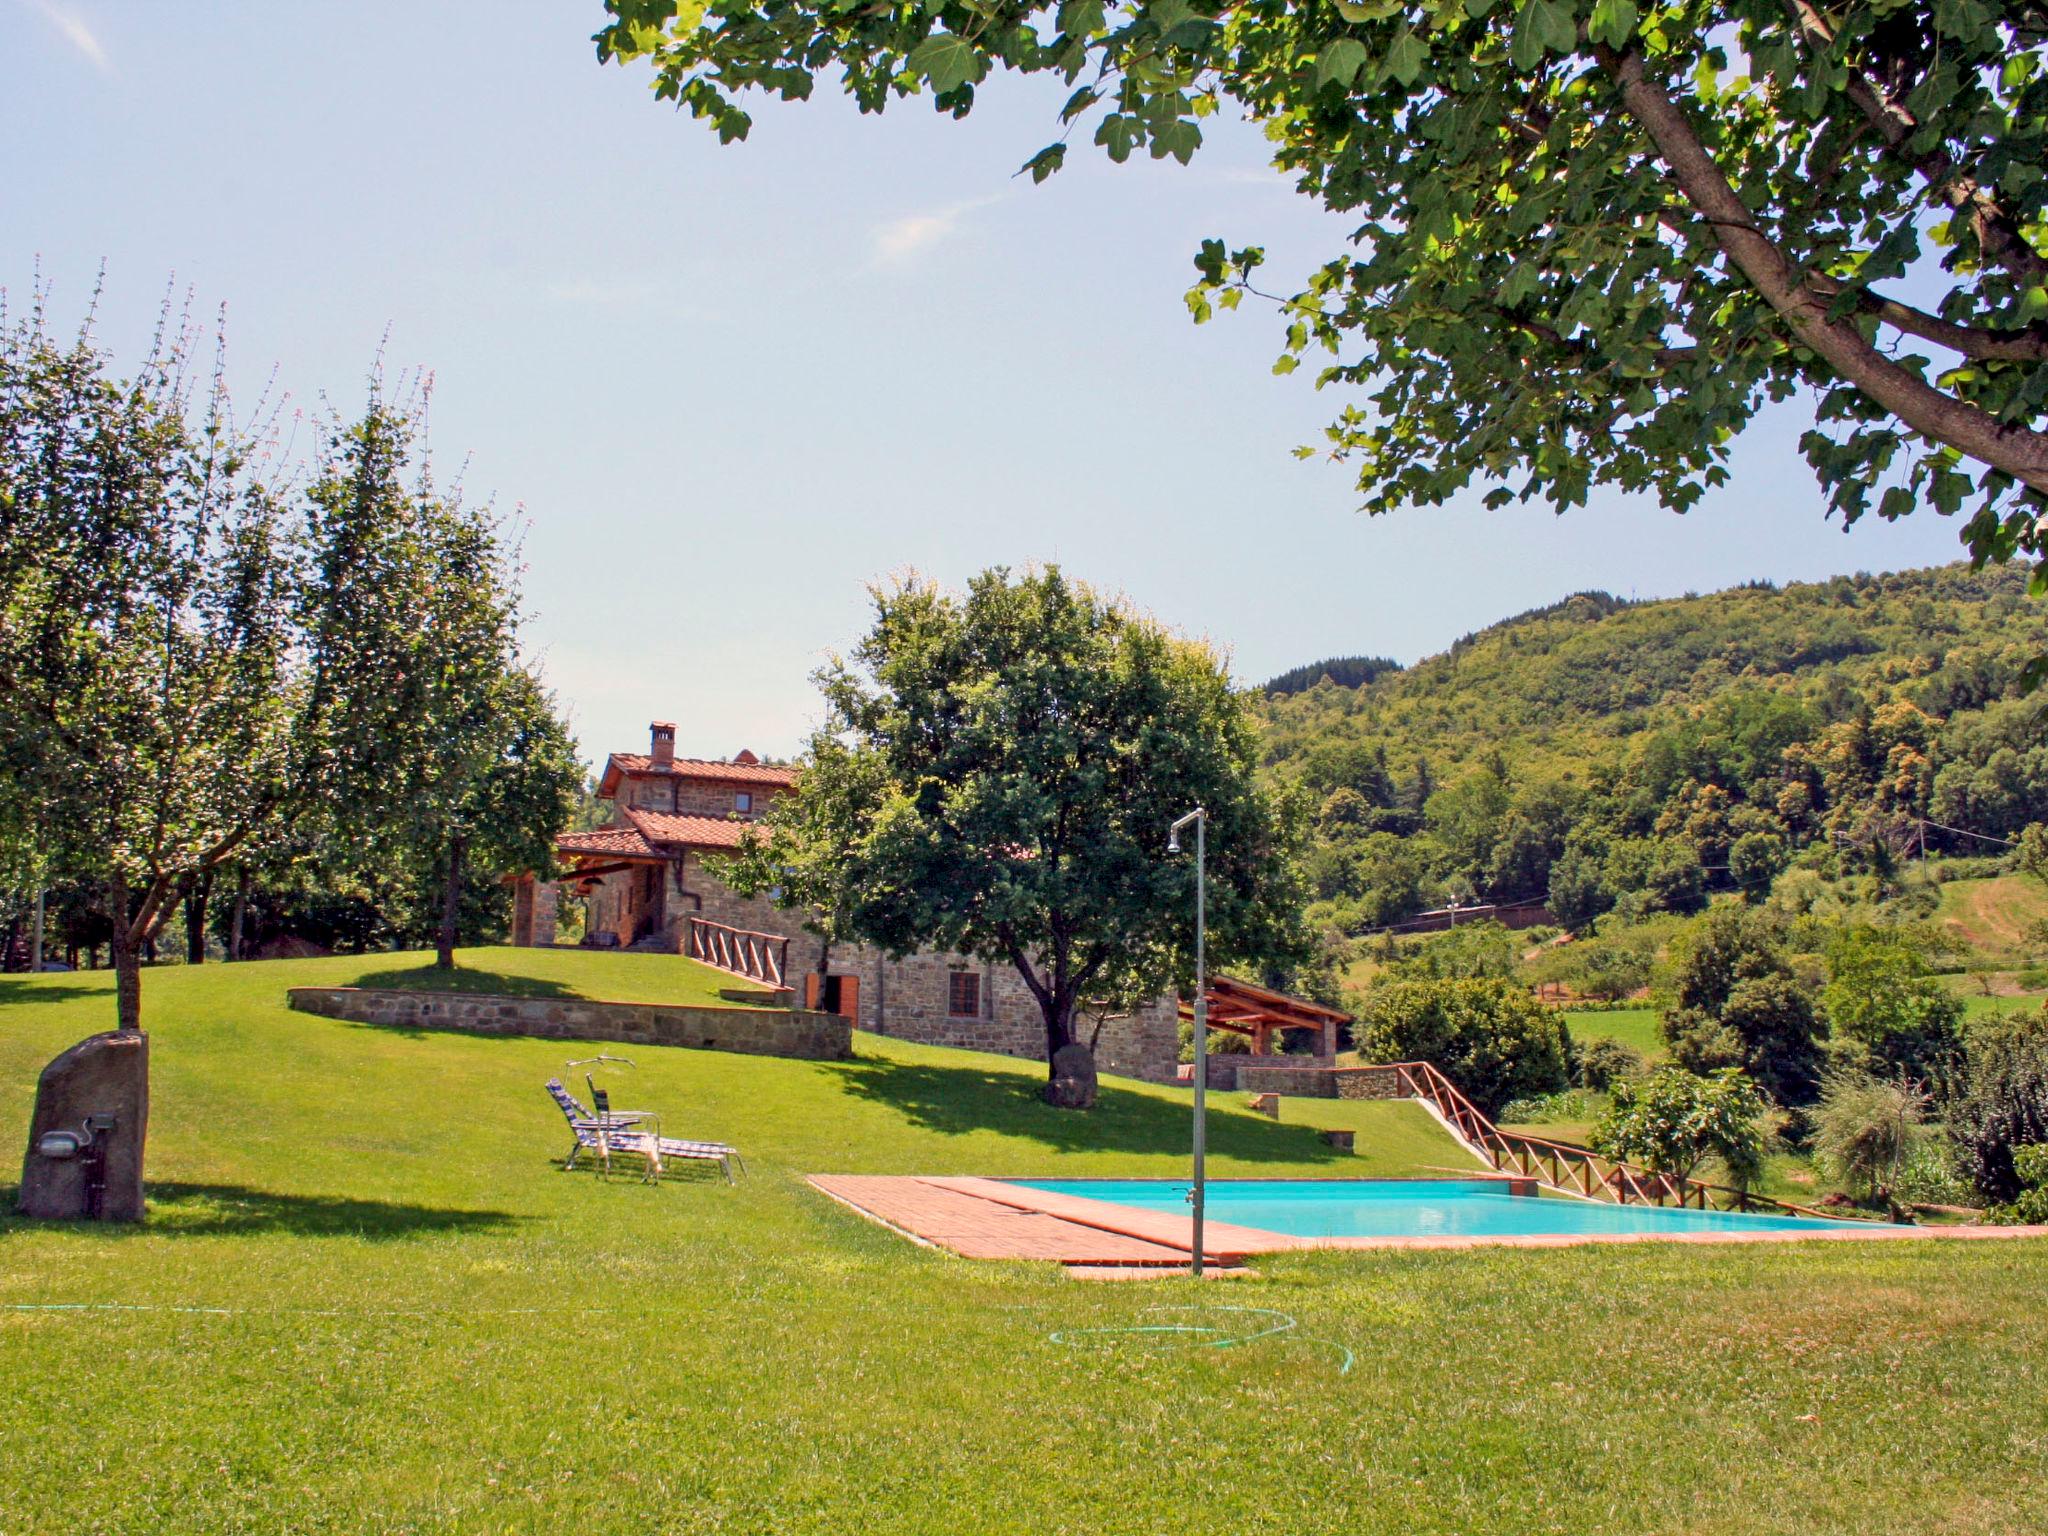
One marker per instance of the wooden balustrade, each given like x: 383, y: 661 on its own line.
x: 762, y: 957
x: 1572, y: 1170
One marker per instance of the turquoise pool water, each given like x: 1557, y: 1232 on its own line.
x: 1413, y: 1208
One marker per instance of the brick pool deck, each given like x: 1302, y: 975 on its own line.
x: 991, y: 1219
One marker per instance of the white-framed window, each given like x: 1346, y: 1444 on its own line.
x: 963, y: 994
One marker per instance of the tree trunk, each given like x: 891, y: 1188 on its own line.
x: 241, y: 913
x: 451, y: 901
x: 195, y: 920
x: 1059, y: 1029
x: 127, y: 965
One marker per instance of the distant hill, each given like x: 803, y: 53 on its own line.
x: 1344, y: 671
x: 1838, y: 713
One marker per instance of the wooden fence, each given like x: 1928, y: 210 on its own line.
x: 762, y: 957
x: 1573, y: 1170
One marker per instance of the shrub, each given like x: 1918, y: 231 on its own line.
x: 1864, y: 1129
x: 1571, y: 1104
x: 1603, y: 1063
x: 1488, y: 1036
x: 1477, y: 949
x: 1672, y: 1121
x: 1928, y: 1176
x: 2030, y: 1206
x: 2002, y: 1104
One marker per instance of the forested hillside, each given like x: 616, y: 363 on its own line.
x: 1605, y: 753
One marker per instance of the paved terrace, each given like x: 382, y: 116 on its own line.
x: 991, y: 1219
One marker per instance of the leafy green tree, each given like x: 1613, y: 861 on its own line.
x: 1882, y: 1002
x: 1488, y: 1036
x: 439, y: 748
x: 995, y: 777
x: 1674, y: 881
x: 1586, y: 249
x: 1673, y: 1121
x: 1739, y: 1005
x: 2033, y: 851
x: 149, y: 708
x: 1754, y: 860
x: 1577, y: 893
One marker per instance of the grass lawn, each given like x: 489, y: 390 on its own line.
x: 1637, y: 1027
x: 366, y: 1301
x: 591, y: 974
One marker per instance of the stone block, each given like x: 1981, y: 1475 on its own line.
x: 93, y: 1101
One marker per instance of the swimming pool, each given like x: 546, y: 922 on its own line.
x: 1415, y: 1208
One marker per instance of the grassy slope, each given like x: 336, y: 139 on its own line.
x: 1996, y: 917
x: 431, y: 1330
x: 1638, y: 1027
x: 584, y: 973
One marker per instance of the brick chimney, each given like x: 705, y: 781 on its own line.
x: 663, y: 735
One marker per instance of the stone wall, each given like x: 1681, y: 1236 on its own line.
x: 689, y: 795
x: 750, y: 1031
x: 1313, y: 1082
x: 535, y: 905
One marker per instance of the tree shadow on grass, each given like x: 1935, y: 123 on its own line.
x: 234, y: 1210
x: 19, y: 989
x: 427, y: 978
x: 954, y: 1101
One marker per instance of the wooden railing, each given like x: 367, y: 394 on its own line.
x: 762, y: 957
x: 1572, y: 1170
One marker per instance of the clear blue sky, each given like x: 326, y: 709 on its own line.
x: 731, y: 386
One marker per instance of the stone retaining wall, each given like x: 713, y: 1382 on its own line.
x: 1320, y: 1082
x: 751, y: 1031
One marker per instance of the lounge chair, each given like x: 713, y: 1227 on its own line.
x: 615, y: 1132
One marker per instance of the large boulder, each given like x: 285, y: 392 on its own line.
x: 93, y: 1101
x: 1073, y: 1078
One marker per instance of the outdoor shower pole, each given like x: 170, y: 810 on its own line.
x: 1198, y: 1188
x: 1200, y: 1191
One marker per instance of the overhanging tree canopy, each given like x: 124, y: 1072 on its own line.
x: 1594, y: 237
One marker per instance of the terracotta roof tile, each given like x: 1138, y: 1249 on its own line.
x: 688, y: 831
x: 614, y: 842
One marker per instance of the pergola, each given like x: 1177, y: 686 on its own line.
x: 1244, y: 1009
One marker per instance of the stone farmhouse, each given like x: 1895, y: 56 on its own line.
x: 647, y: 886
